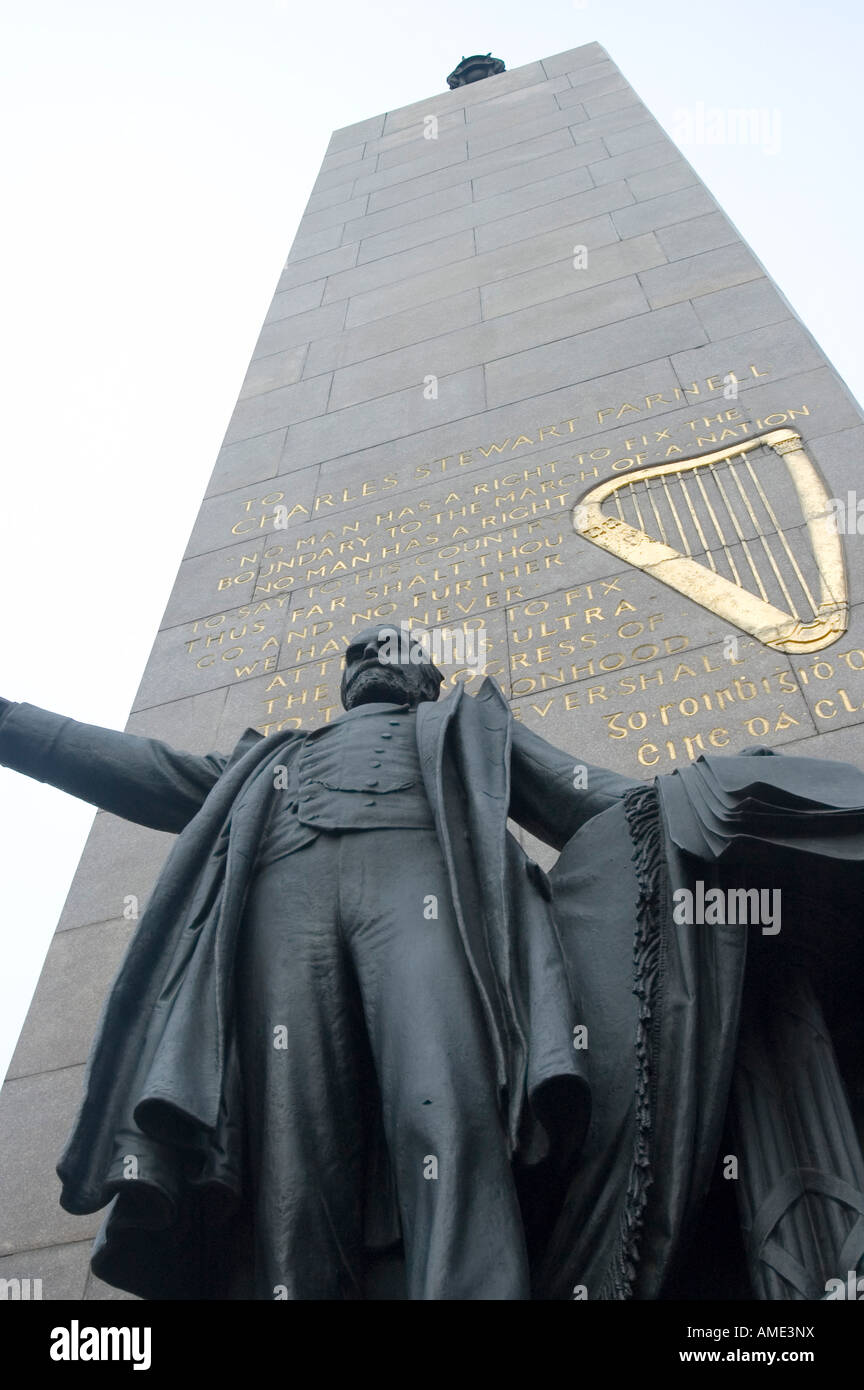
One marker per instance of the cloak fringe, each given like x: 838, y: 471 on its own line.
x: 641, y: 808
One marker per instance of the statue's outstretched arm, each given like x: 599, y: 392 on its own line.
x: 141, y: 779
x: 552, y: 792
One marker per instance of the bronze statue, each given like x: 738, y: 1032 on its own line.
x: 362, y: 1047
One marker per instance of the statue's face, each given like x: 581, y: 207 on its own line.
x: 379, y: 667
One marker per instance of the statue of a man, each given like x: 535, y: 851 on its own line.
x: 345, y: 1009
x: 360, y: 1047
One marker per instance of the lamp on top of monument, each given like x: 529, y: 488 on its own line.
x: 474, y: 69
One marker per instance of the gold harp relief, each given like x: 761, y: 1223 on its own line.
x: 708, y: 527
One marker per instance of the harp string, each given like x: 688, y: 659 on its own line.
x: 712, y: 528
x: 740, y: 534
x: 781, y: 533
x: 635, y: 500
x: 764, y: 540
x: 674, y: 510
x: 730, y: 559
x: 700, y: 533
x: 657, y: 517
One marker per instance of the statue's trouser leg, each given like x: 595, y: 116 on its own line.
x: 461, y: 1223
x: 301, y: 1036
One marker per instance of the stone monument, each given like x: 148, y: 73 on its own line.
x: 521, y: 381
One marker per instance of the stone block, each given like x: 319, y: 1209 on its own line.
x: 566, y: 211
x: 594, y: 72
x: 838, y: 453
x: 476, y: 214
x: 613, y: 101
x: 207, y: 583
x: 409, y: 155
x: 831, y: 681
x: 611, y: 123
x: 645, y: 132
x: 342, y: 180
x: 119, y: 858
x: 398, y: 330
x: 517, y: 107
x: 599, y: 87
x: 699, y: 234
x: 335, y: 216
x: 307, y: 244
x: 699, y: 275
x: 236, y: 518
x: 36, y: 1115
x: 816, y: 402
x: 575, y: 59
x: 631, y: 162
x: 407, y: 189
x: 317, y: 267
x: 464, y: 97
x: 77, y: 974
x: 493, y: 136
x: 586, y: 356
x: 497, y: 337
x: 844, y: 745
x: 663, y: 211
x: 338, y: 157
x: 301, y: 328
x: 61, y: 1271
x: 352, y: 137
x: 785, y: 348
x: 668, y: 179
x: 211, y: 652
x: 448, y: 169
x: 519, y: 175
x: 274, y: 409
x: 330, y: 197
x: 393, y: 416
x: 400, y: 216
x: 606, y: 260
x: 250, y: 461
x: 446, y: 123
x: 278, y: 369
x: 190, y: 725
x: 570, y: 101
x: 513, y: 432
x: 754, y: 304
x: 365, y: 280
x: 295, y: 301
x: 442, y: 155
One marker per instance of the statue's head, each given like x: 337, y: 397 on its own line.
x: 386, y: 663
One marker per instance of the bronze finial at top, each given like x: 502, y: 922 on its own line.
x: 474, y: 69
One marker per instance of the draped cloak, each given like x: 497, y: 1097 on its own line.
x: 159, y: 1134
x: 634, y: 1120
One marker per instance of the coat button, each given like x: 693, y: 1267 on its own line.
x: 373, y: 782
x: 370, y: 803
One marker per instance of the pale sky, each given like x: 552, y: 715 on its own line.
x: 156, y: 160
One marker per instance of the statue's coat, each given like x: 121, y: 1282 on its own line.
x: 160, y: 1125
